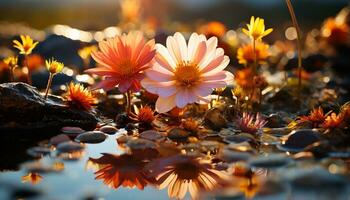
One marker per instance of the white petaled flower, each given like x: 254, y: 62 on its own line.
x: 184, y: 73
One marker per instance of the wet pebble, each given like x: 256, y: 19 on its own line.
x: 69, y: 147
x: 59, y: 139
x: 239, y: 138
x: 140, y: 144
x: 110, y: 130
x: 178, y: 134
x: 214, y: 119
x: 91, y: 137
x: 38, y: 151
x: 270, y: 161
x: 234, y: 156
x: 151, y: 135
x: 299, y: 139
x: 72, y: 130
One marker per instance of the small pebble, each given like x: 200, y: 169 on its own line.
x: 92, y: 137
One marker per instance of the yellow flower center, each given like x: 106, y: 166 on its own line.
x: 187, y: 74
x: 126, y: 68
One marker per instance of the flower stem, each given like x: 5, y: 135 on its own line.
x: 128, y: 102
x: 255, y: 58
x: 12, y: 79
x: 299, y: 44
x: 48, y: 85
x: 29, y: 73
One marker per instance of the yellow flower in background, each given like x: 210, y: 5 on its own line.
x: 27, y: 45
x: 245, y: 54
x: 85, y: 52
x: 256, y: 29
x: 11, y: 61
x: 54, y: 66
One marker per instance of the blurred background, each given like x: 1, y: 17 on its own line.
x: 98, y: 14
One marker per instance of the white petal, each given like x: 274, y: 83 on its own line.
x: 182, y: 45
x: 165, y: 104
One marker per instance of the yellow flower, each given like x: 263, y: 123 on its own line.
x: 54, y: 66
x: 85, y: 52
x: 11, y: 61
x: 27, y: 45
x: 256, y: 29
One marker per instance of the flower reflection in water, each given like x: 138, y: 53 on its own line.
x: 32, y: 177
x: 182, y: 173
x: 125, y: 170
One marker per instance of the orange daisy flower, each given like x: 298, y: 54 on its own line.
x: 80, y: 97
x: 123, y: 60
x: 316, y: 117
x: 333, y: 121
x: 33, y: 178
x: 244, y: 78
x: 245, y: 54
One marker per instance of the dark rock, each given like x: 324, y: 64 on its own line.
x: 122, y: 120
x: 91, y: 137
x: 214, y: 119
x: 130, y: 127
x: 178, y: 134
x: 299, y: 139
x: 59, y: 139
x: 72, y: 130
x: 110, y: 130
x: 24, y: 109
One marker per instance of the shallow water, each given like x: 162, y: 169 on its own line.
x: 77, y: 181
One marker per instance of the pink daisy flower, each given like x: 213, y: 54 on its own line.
x: 186, y: 73
x: 123, y: 60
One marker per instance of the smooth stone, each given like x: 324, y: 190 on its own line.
x: 59, y: 139
x: 110, y: 130
x: 140, y: 144
x: 234, y: 156
x: 270, y: 161
x: 151, y: 135
x: 214, y: 119
x: 239, y: 138
x: 123, y: 139
x: 38, y: 151
x: 178, y: 134
x: 69, y: 147
x: 319, y: 149
x: 72, y: 130
x: 297, y: 140
x: 92, y: 137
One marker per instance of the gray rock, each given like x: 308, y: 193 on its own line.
x: 299, y: 139
x: 23, y: 109
x: 91, y: 137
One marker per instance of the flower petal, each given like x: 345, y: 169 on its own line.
x: 165, y: 104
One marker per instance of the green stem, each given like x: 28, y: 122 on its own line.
x: 48, y: 85
x: 299, y: 44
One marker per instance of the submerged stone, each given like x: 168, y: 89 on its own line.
x: 178, y: 134
x: 59, y: 139
x: 299, y: 139
x: 24, y: 109
x: 91, y: 137
x: 270, y: 161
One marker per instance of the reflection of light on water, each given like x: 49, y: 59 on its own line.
x: 85, y: 78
